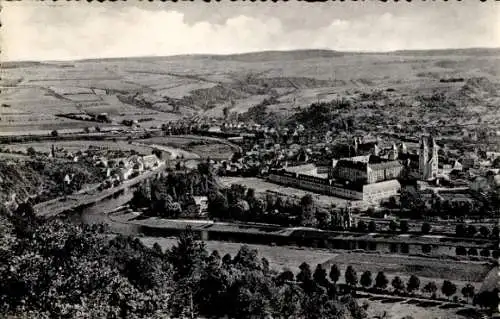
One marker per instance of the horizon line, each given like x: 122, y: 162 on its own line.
x: 249, y: 53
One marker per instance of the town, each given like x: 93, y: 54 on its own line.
x: 160, y: 162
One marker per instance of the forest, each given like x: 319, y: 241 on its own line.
x: 58, y: 269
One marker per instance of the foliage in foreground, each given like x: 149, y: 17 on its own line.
x: 63, y: 270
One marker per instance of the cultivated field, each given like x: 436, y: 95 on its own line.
x: 74, y: 146
x: 33, y: 93
x: 201, y: 147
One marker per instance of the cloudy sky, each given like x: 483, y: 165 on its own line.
x: 65, y: 31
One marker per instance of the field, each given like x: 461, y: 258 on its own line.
x: 400, y: 309
x: 461, y: 273
x: 201, y: 147
x: 262, y: 186
x: 181, y: 86
x: 73, y: 146
x: 291, y: 258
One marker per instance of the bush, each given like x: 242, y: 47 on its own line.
x: 54, y: 133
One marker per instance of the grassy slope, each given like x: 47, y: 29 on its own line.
x: 211, y: 81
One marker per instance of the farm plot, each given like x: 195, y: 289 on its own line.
x: 200, y: 147
x: 392, y: 308
x: 74, y: 146
x: 180, y: 90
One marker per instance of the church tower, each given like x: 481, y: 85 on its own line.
x: 434, y: 160
x: 423, y: 158
x: 428, y: 159
x: 394, y: 153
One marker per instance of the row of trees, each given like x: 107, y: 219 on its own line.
x: 380, y: 283
x: 462, y: 230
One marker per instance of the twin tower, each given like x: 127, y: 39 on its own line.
x: 428, y: 158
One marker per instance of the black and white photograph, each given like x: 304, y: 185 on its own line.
x: 249, y: 159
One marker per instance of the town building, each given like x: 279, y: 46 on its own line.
x: 366, y: 169
x: 339, y: 188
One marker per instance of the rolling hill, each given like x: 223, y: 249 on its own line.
x: 169, y: 88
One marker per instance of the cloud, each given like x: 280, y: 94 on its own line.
x: 42, y: 32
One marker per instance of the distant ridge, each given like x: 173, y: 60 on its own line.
x: 282, y: 55
x: 273, y: 55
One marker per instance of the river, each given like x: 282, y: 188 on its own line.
x: 99, y: 214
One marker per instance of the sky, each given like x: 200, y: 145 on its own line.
x: 78, y: 30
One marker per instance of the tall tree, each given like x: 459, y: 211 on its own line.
x: 381, y: 280
x: 372, y: 226
x: 366, y: 279
x: 426, y: 228
x: 334, y: 273
x: 305, y: 273
x: 308, y: 211
x: 320, y: 276
x: 448, y: 288
x: 397, y: 284
x: 413, y: 283
x: 403, y: 226
x: 430, y: 288
x: 468, y: 291
x: 188, y: 256
x: 351, y: 278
